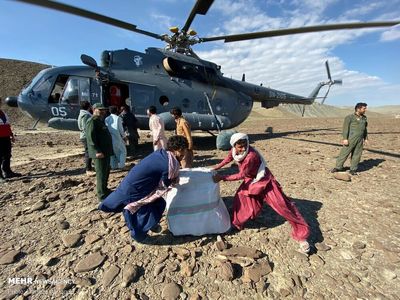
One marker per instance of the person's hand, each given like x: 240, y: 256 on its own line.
x: 217, y: 178
x: 175, y: 181
x: 345, y: 142
x: 99, y: 155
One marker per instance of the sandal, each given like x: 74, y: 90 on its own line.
x: 304, y: 247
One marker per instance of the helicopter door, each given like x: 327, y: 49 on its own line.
x: 142, y: 97
x: 76, y: 89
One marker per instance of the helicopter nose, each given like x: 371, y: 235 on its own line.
x: 12, y: 101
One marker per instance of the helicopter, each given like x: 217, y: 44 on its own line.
x: 166, y: 78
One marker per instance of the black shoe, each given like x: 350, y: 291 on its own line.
x: 12, y: 174
x: 352, y: 172
x: 334, y: 170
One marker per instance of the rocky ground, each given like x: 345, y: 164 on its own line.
x: 56, y: 243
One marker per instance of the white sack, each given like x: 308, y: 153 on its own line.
x: 195, y: 207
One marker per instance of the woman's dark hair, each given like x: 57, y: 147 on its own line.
x: 176, y: 111
x: 85, y: 105
x: 177, y: 142
x: 242, y: 142
x: 152, y: 109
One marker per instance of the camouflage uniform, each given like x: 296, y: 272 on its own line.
x: 355, y: 131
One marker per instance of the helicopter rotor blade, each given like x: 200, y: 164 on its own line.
x: 328, y: 70
x: 89, y: 15
x: 201, y: 7
x: 297, y: 30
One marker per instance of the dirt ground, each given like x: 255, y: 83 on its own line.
x: 55, y: 239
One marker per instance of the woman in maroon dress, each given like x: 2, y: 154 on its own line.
x: 259, y: 185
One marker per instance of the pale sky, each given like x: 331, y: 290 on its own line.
x: 367, y: 61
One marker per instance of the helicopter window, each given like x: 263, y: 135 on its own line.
x: 76, y: 90
x: 58, y: 88
x: 164, y: 101
x: 185, y: 103
x: 43, y: 86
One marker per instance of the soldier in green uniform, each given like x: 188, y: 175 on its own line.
x: 100, y: 148
x: 354, y: 137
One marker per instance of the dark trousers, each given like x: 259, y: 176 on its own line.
x: 88, y: 160
x: 133, y: 143
x: 5, y: 156
x: 102, y: 166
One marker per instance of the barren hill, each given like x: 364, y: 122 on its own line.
x: 14, y: 75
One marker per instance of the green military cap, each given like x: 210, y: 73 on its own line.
x: 99, y: 106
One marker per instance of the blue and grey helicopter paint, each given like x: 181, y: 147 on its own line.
x: 157, y: 77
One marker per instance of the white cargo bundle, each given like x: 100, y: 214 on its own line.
x: 195, y: 207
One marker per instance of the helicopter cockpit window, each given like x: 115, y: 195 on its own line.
x: 42, y: 87
x: 76, y: 90
x: 58, y: 89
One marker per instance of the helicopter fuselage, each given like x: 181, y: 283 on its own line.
x: 158, y: 77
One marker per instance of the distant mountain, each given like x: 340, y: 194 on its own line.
x: 392, y: 110
x: 316, y: 110
x: 14, y: 75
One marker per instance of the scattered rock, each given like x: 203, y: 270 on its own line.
x: 10, y: 257
x: 38, y: 206
x: 63, y: 225
x: 92, y: 238
x: 358, y: 245
x: 322, y: 247
x: 89, y: 263
x: 110, y: 275
x: 129, y: 274
x: 342, y: 176
x: 255, y: 272
x: 226, y: 271
x: 242, y: 251
x: 171, y: 291
x: 70, y: 240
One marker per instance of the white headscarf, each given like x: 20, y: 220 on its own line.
x: 239, y: 157
x: 234, y: 139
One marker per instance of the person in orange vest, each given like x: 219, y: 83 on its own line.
x: 6, y: 138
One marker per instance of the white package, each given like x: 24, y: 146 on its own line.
x: 195, y: 207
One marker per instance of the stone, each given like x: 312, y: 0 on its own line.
x: 70, y: 240
x: 129, y: 274
x: 342, y: 176
x: 92, y: 238
x: 38, y: 206
x: 322, y: 247
x: 346, y: 254
x: 10, y: 257
x: 242, y: 251
x: 388, y: 274
x: 358, y: 245
x: 187, y: 267
x: 13, y: 291
x: 255, y: 272
x: 110, y: 275
x: 158, y: 269
x: 220, y: 244
x: 354, y: 278
x: 226, y: 271
x: 316, y: 260
x: 127, y: 249
x: 171, y: 291
x: 83, y: 282
x: 182, y: 253
x: 53, y: 197
x: 90, y: 262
